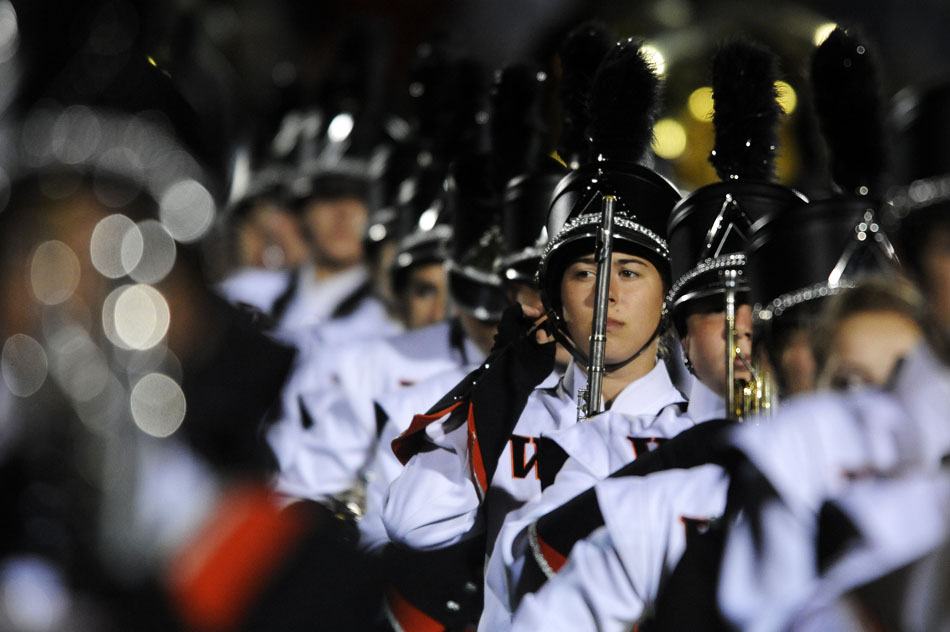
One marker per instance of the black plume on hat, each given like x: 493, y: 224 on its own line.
x: 624, y: 104
x: 518, y: 130
x: 581, y: 53
x: 848, y: 104
x: 746, y: 111
x: 709, y: 230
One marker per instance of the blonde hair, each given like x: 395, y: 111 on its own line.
x: 874, y: 293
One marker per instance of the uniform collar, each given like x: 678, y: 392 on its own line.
x: 644, y: 396
x: 704, y: 404
x: 573, y: 379
x: 648, y: 394
x: 326, y: 294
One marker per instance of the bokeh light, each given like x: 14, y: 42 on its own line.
x: 669, y: 138
x: 158, y: 405
x: 77, y: 363
x: 787, y: 98
x: 428, y: 219
x: 106, y: 409
x: 76, y: 135
x: 655, y: 57
x: 822, y: 31
x: 116, y: 246
x: 24, y: 365
x: 340, y: 127
x: 54, y: 272
x: 118, y: 160
x: 9, y: 32
x: 187, y: 210
x: 700, y: 104
x: 33, y: 594
x: 158, y: 254
x: 141, y: 316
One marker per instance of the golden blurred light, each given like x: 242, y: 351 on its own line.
x: 158, y: 254
x: 151, y: 60
x: 141, y: 316
x: 786, y: 96
x: 700, y: 104
x: 158, y: 405
x: 116, y: 246
x: 54, y: 272
x: 655, y: 57
x: 24, y: 365
x: 669, y: 138
x: 822, y: 31
x: 187, y: 210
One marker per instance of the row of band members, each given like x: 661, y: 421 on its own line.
x: 497, y: 507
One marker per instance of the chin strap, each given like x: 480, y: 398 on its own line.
x: 561, y: 335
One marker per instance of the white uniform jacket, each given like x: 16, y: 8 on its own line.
x: 399, y: 407
x: 612, y: 578
x: 899, y: 524
x: 436, y: 500
x: 323, y: 442
x: 814, y: 450
x: 595, y: 449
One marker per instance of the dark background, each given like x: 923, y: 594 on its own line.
x: 242, y: 63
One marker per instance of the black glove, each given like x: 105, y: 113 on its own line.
x: 526, y: 361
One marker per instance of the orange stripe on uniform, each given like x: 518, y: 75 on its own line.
x: 477, y: 464
x: 407, y: 617
x: 407, y: 444
x: 551, y: 555
x: 216, y: 579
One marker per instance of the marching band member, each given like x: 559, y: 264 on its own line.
x: 462, y: 478
x: 708, y: 232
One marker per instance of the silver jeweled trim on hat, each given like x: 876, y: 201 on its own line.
x: 790, y: 299
x: 595, y: 218
x: 724, y: 262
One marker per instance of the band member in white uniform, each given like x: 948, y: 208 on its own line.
x: 817, y: 450
x: 456, y: 463
x: 708, y: 233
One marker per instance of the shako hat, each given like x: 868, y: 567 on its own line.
x: 623, y: 109
x: 709, y: 229
x: 811, y: 251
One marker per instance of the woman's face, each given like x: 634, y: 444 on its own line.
x: 635, y: 303
x: 866, y: 347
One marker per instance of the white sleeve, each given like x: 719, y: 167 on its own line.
x: 330, y: 452
x: 506, y: 564
x: 768, y: 558
x: 433, y: 502
x: 592, y: 592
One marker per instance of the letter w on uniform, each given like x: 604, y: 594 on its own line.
x: 520, y: 466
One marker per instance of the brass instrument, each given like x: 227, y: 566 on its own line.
x: 751, y: 398
x: 744, y: 398
x: 589, y: 399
